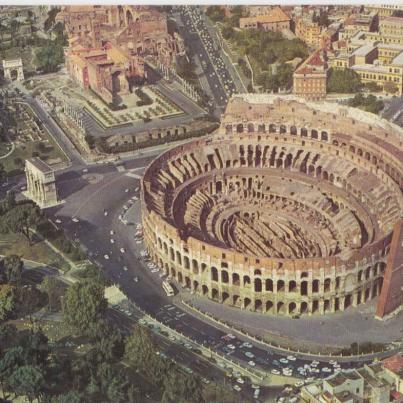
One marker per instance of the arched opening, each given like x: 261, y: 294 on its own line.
x: 235, y: 279
x: 304, y: 132
x: 280, y: 286
x: 224, y: 277
x: 261, y: 128
x: 269, y: 284
x: 258, y: 285
x: 292, y: 308
x: 129, y: 17
x: 178, y: 258
x: 269, y: 306
x: 283, y: 129
x: 304, y: 288
x: 272, y: 128
x: 215, y: 294
x: 292, y: 286
x: 327, y: 284
x: 246, y: 302
x: 246, y: 280
x: 280, y: 307
x: 304, y: 307
x: 239, y: 128
x: 171, y: 254
x: 324, y: 136
x: 326, y: 305
x: 173, y: 272
x: 293, y: 130
x: 258, y: 305
x: 186, y: 262
x: 195, y: 266
x: 214, y: 274
x: 195, y: 285
x: 347, y: 301
x: 225, y: 297
x: 187, y: 282
x: 228, y: 129
x: 314, y: 134
x: 180, y: 278
x: 204, y: 289
x: 315, y: 306
x: 315, y: 286
x: 251, y: 128
x: 236, y: 300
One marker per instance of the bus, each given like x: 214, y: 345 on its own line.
x: 168, y: 288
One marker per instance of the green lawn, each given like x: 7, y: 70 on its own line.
x: 38, y: 252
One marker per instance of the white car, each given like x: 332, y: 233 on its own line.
x: 283, y: 360
x: 291, y: 358
x: 75, y: 219
x: 136, y: 279
x: 231, y: 346
x: 275, y: 371
x: 155, y: 270
x: 237, y: 388
x: 58, y: 221
x: 231, y: 336
x: 251, y: 363
x: 240, y: 380
x: 112, y: 240
x: 125, y: 268
x: 126, y: 190
x: 112, y: 232
x: 106, y: 257
x: 249, y: 354
x: 122, y: 250
x: 105, y: 213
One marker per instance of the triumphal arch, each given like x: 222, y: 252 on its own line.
x: 13, y: 68
x: 41, y: 183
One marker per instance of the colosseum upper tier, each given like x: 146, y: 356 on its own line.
x: 288, y: 208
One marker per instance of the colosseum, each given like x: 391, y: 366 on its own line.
x: 287, y: 209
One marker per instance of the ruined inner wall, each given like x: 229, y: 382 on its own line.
x: 278, y: 212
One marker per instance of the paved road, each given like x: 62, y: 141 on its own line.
x: 197, y: 37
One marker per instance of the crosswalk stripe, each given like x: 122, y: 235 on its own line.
x: 133, y: 175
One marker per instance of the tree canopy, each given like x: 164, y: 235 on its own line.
x: 343, y: 81
x: 49, y: 57
x: 84, y: 304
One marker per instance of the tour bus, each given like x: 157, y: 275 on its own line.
x: 168, y: 288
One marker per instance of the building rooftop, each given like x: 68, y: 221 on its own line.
x: 339, y: 378
x: 275, y: 15
x: 394, y: 363
x: 40, y: 165
x: 363, y: 50
x: 394, y: 20
x: 398, y: 60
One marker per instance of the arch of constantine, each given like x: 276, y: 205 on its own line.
x: 289, y: 208
x: 41, y: 183
x: 13, y: 66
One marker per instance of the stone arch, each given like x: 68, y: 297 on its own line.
x: 261, y: 128
x: 258, y: 305
x: 246, y: 280
x: 129, y: 17
x: 272, y: 128
x: 228, y: 129
x: 258, y: 285
x: 246, y: 302
x: 281, y: 307
x: 269, y: 306
x: 214, y: 274
x: 292, y: 307
x: 225, y: 296
x: 269, y: 284
x: 235, y: 279
x: 224, y: 277
x: 304, y: 307
x: 292, y: 286
x: 204, y: 289
x: 239, y: 128
x: 215, y: 294
x: 324, y: 136
x: 304, y: 287
x: 314, y: 134
x: 280, y: 286
x: 251, y: 127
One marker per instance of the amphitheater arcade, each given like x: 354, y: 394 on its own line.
x: 288, y: 208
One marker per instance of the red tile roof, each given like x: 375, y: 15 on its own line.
x: 394, y: 363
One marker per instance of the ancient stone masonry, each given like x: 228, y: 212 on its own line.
x: 12, y: 69
x: 108, y: 44
x: 287, y: 209
x: 41, y: 183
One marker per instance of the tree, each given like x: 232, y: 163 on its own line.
x: 90, y: 140
x: 8, y: 332
x: 36, y: 348
x: 108, y: 383
x: 343, y: 81
x: 27, y: 381
x: 48, y: 58
x: 3, y: 174
x: 216, y: 13
x: 108, y: 341
x: 21, y: 220
x: 390, y: 87
x: 54, y: 290
x: 181, y: 388
x: 94, y: 273
x: 7, y: 300
x: 12, y: 266
x: 11, y: 361
x: 140, y: 349
x: 84, y: 304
